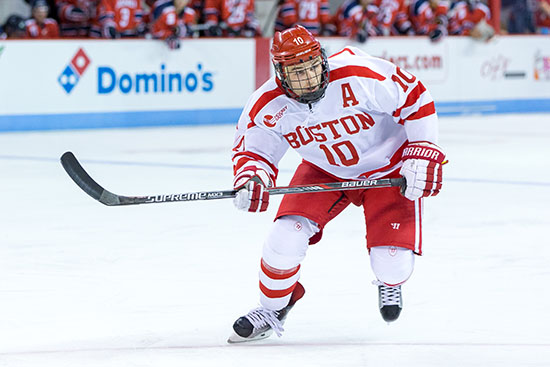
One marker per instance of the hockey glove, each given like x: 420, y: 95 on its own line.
x: 250, y: 31
x: 250, y: 184
x: 214, y: 31
x: 422, y: 169
x: 234, y: 31
x: 437, y: 34
x: 173, y: 42
x: 141, y: 29
x: 362, y: 36
x: 109, y: 32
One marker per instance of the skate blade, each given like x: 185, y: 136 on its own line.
x: 234, y: 338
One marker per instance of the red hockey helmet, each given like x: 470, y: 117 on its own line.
x: 291, y: 48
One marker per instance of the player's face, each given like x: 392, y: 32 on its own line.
x: 40, y: 13
x: 305, y: 77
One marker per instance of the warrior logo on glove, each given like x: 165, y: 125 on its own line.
x: 422, y: 168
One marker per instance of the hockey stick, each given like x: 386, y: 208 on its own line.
x: 92, y: 188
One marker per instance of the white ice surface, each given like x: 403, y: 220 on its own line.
x: 82, y: 284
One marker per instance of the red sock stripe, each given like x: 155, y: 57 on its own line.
x: 278, y: 274
x: 276, y: 293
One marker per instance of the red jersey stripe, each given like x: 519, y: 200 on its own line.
x: 264, y: 100
x: 254, y: 157
x: 238, y: 146
x: 344, y: 50
x: 412, y: 98
x: 360, y: 71
x: 426, y: 110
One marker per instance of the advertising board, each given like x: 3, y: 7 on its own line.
x: 97, y: 83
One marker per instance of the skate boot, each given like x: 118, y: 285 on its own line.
x: 260, y: 322
x: 389, y: 301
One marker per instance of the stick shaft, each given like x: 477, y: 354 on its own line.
x: 77, y: 173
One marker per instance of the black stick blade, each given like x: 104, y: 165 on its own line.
x: 85, y: 182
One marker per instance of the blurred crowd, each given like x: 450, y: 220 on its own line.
x: 173, y: 20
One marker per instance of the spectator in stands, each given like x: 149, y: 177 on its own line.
x: 542, y: 16
x: 357, y: 19
x: 120, y: 19
x: 429, y: 17
x: 231, y: 18
x: 13, y: 28
x: 172, y: 20
x: 393, y: 18
x: 76, y: 17
x: 518, y: 16
x: 470, y: 18
x: 198, y: 6
x: 39, y: 25
x: 314, y: 15
x: 286, y: 15
x: 52, y: 13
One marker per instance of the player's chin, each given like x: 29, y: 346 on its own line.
x: 306, y: 91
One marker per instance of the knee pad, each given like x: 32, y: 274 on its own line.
x: 392, y: 265
x: 287, y: 242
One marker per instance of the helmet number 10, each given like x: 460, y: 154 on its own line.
x: 298, y: 40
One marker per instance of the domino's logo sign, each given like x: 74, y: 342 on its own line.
x: 72, y: 73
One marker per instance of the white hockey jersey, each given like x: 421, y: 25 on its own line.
x: 358, y: 130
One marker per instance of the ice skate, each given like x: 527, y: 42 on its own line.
x: 389, y: 301
x: 260, y: 322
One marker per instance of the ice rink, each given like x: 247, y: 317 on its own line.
x: 82, y: 284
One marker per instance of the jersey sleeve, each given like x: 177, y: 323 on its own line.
x: 403, y: 96
x: 255, y: 144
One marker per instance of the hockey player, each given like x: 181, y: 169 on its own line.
x: 429, y: 17
x: 314, y: 15
x: 76, y: 17
x: 470, y: 18
x: 14, y: 28
x: 351, y: 117
x: 358, y: 19
x: 121, y: 18
x: 171, y: 21
x: 231, y: 18
x: 39, y: 25
x: 393, y: 18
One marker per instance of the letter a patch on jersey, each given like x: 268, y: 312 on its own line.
x: 348, y: 96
